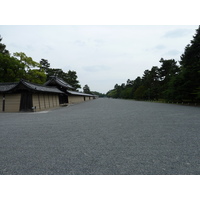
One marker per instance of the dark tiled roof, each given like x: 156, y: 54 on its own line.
x: 4, y: 87
x: 8, y: 87
x: 79, y: 93
x: 55, y: 80
x: 41, y: 88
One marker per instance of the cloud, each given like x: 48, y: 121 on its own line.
x: 80, y: 43
x: 96, y: 68
x: 98, y: 42
x: 14, y: 46
x: 177, y: 33
x: 160, y: 47
x: 173, y: 52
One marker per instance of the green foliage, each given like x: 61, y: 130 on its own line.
x: 3, y: 49
x: 86, y: 89
x: 28, y: 62
x: 153, y: 85
x: 190, y: 68
x: 127, y: 93
x: 36, y: 76
x: 168, y: 70
x: 44, y: 65
x: 98, y: 94
x: 71, y: 78
x: 140, y: 92
x: 11, y: 70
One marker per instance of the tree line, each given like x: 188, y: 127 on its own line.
x: 19, y: 66
x: 172, y: 81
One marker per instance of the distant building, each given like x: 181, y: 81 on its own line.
x: 26, y: 96
x: 69, y: 95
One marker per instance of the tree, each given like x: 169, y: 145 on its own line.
x: 175, y: 89
x: 71, y: 78
x: 155, y: 83
x: 11, y: 70
x: 111, y: 93
x: 36, y: 75
x: 168, y: 70
x: 190, y: 68
x: 98, y: 94
x: 56, y: 72
x: 129, y: 83
x: 143, y: 91
x: 140, y: 93
x: 28, y: 62
x: 86, y: 89
x: 45, y: 65
x: 137, y: 83
x: 3, y: 49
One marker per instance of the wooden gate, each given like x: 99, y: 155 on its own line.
x: 26, y: 102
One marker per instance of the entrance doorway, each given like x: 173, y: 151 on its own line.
x: 26, y: 102
x: 63, y: 99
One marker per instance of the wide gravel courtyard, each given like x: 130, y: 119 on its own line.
x: 104, y: 136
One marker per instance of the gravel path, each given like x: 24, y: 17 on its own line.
x: 104, y: 136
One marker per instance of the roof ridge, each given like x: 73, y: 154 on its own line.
x: 59, y: 81
x: 37, y: 84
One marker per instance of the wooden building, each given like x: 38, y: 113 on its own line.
x: 69, y: 95
x: 77, y: 97
x: 25, y: 96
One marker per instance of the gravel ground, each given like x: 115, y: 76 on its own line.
x: 104, y: 136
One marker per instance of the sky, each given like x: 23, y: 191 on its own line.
x: 102, y: 55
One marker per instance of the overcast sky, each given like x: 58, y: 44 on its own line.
x: 101, y: 55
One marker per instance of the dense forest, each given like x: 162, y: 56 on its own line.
x: 173, y: 81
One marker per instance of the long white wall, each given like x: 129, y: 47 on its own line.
x: 41, y: 101
x: 75, y: 99
x: 12, y: 102
x: 45, y: 101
